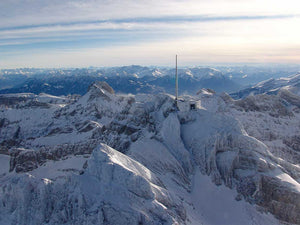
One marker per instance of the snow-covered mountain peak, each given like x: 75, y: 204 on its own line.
x: 103, y: 86
x: 100, y: 89
x: 206, y: 91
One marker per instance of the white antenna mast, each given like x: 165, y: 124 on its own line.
x: 176, y: 85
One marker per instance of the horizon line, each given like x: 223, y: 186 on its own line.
x: 164, y: 66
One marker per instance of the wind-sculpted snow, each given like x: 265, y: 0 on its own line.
x: 123, y: 159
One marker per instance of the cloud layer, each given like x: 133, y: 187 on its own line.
x: 113, y: 32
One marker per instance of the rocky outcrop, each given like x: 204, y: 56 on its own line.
x: 280, y: 199
x: 293, y: 142
x: 100, y: 89
x: 13, y: 100
x: 24, y: 160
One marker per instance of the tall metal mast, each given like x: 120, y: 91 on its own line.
x: 176, y: 84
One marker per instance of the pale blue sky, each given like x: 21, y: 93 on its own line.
x: 113, y: 32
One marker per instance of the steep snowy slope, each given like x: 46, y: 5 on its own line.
x: 106, y: 187
x: 124, y: 159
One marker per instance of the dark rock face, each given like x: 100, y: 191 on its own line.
x: 112, y: 133
x: 8, y: 144
x: 12, y: 100
x: 37, y: 104
x: 293, y: 142
x: 58, y: 130
x: 24, y: 160
x: 3, y: 122
x: 22, y: 101
x: 278, y: 199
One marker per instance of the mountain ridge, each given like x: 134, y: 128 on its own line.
x: 157, y: 155
x: 272, y: 86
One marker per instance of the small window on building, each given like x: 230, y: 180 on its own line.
x: 192, y: 106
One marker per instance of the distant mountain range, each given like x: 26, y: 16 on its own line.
x: 129, y: 79
x: 133, y: 79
